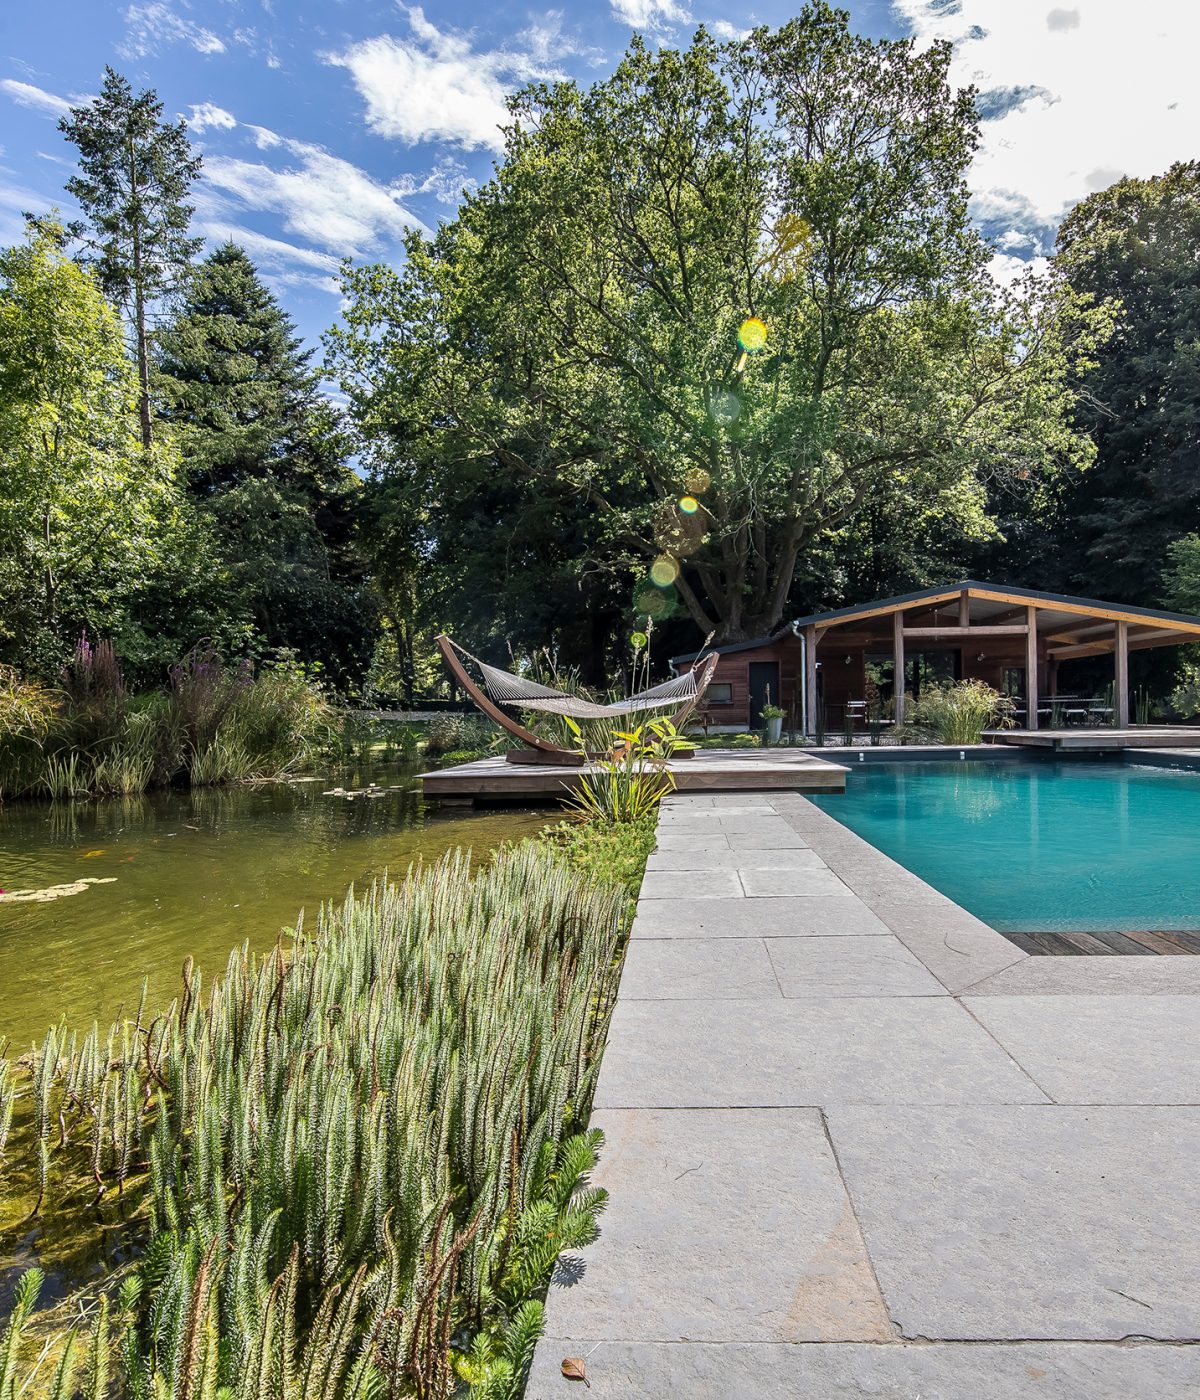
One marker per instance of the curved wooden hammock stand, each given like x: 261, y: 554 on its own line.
x: 537, y: 749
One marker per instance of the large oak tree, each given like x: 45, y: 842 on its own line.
x: 593, y: 318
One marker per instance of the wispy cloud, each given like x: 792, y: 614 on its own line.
x: 436, y: 86
x: 207, y: 116
x: 446, y: 182
x: 651, y: 16
x: 37, y: 98
x: 153, y: 26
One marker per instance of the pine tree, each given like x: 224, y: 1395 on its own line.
x: 265, y: 459
x: 135, y: 172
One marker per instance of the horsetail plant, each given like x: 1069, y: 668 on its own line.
x: 356, y: 1159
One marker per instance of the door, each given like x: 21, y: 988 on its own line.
x: 764, y: 689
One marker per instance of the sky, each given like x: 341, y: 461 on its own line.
x: 330, y: 127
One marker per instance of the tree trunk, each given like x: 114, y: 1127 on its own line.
x: 51, y: 585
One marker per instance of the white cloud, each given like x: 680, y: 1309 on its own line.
x: 208, y: 116
x: 1076, y: 96
x: 151, y: 26
x: 435, y: 86
x: 724, y: 30
x: 319, y: 196
x: 37, y: 98
x: 446, y: 182
x: 653, y: 16
x: 1005, y: 268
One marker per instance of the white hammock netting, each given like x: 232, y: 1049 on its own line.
x: 507, y: 689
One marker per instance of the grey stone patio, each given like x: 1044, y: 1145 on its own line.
x: 860, y: 1145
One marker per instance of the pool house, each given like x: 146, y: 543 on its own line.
x: 834, y: 670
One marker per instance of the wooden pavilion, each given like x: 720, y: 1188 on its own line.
x: 836, y: 667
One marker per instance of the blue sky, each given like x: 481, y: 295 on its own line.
x: 327, y: 128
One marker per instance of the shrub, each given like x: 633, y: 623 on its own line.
x: 959, y: 713
x: 447, y: 732
x: 96, y: 698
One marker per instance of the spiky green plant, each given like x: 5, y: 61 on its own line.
x: 356, y: 1152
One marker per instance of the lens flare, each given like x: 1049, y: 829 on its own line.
x: 697, y: 480
x: 752, y: 334
x: 689, y: 505
x: 653, y: 603
x: 664, y: 571
x: 726, y: 408
x: 638, y: 641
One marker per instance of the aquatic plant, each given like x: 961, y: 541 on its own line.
x: 628, y: 785
x: 357, y: 1155
x: 96, y: 699
x: 451, y: 731
x: 64, y: 775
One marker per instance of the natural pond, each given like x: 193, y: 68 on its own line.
x: 198, y: 872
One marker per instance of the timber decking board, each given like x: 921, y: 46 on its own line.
x: 1105, y: 943
x: 711, y: 770
x: 1098, y: 737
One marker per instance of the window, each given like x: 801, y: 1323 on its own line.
x: 719, y: 693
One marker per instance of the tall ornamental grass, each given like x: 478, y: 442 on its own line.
x: 351, y: 1164
x: 959, y: 713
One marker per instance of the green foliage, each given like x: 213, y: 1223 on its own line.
x: 959, y: 713
x: 350, y: 1156
x: 576, y: 326
x: 1134, y: 242
x: 266, y: 465
x: 87, y: 516
x: 615, y: 852
x: 453, y: 732
x: 628, y: 783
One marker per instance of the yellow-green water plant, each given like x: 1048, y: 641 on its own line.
x: 628, y: 784
x: 347, y: 1161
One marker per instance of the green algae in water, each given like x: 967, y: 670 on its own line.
x: 197, y: 873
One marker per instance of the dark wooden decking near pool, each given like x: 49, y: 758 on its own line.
x: 1105, y: 943
x: 711, y: 770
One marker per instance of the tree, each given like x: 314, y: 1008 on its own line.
x: 87, y: 514
x: 135, y: 173
x: 266, y: 464
x: 1136, y: 243
x: 724, y: 299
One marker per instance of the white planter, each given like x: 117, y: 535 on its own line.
x: 774, y: 729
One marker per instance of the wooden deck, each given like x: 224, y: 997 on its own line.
x: 1105, y: 943
x: 1085, y: 739
x: 711, y: 770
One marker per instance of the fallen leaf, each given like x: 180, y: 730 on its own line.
x: 574, y: 1370
x: 1035, y: 1372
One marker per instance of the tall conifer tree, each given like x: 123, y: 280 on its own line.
x: 135, y: 173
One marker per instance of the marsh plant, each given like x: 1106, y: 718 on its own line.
x: 351, y: 1164
x: 213, y: 723
x: 959, y: 713
x: 627, y: 784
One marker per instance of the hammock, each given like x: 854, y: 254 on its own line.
x: 507, y: 689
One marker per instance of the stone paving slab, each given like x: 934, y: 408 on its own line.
x: 778, y: 839
x: 689, y: 839
x: 1094, y: 976
x: 849, y: 967
x: 803, y: 882
x: 713, y: 816
x: 690, y: 884
x: 994, y: 1222
x: 735, y: 860
x: 823, y: 1050
x: 730, y: 1225
x: 1102, y: 1049
x: 830, y: 916
x: 682, y: 969
x: 947, y: 1371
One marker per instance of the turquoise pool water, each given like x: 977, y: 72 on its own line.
x: 1039, y: 846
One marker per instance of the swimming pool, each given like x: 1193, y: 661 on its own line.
x: 1039, y: 846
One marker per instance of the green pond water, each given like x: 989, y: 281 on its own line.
x: 198, y: 873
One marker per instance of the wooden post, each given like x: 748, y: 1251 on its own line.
x: 898, y: 664
x: 1121, y: 689
x: 1031, y: 670
x: 964, y: 609
x: 810, y: 681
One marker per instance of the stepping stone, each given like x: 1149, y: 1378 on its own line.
x: 997, y: 1222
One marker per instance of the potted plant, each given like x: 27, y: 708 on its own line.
x: 773, y: 718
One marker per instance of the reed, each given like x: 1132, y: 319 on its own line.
x: 355, y: 1159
